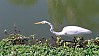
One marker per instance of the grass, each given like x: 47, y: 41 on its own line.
x: 19, y: 45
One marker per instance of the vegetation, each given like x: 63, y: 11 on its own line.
x: 18, y: 45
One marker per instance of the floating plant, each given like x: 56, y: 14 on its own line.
x: 17, y: 44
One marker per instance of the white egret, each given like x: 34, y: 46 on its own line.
x: 68, y: 30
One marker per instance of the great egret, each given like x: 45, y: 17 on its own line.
x: 68, y: 30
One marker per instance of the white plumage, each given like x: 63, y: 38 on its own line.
x: 75, y: 30
x: 68, y: 30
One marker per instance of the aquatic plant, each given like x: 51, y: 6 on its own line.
x: 15, y: 45
x: 19, y: 45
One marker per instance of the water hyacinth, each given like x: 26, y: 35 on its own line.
x: 17, y: 45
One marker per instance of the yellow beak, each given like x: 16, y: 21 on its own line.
x: 39, y: 23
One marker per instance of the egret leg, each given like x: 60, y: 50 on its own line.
x: 81, y: 40
x: 75, y: 40
x: 78, y: 41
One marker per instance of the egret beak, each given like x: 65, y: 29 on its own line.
x: 39, y: 23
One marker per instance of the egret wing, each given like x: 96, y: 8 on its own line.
x: 74, y: 30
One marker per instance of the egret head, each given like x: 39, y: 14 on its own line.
x: 42, y: 22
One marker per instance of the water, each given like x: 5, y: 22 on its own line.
x: 24, y: 13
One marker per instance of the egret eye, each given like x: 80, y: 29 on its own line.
x: 44, y: 22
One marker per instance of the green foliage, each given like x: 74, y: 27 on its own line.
x: 45, y: 49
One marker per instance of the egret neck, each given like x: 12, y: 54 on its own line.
x: 52, y: 30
